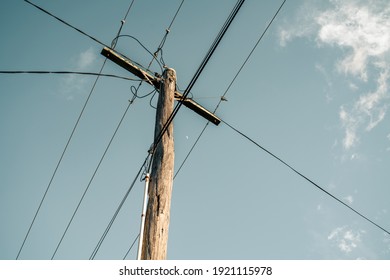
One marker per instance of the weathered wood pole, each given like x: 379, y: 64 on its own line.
x: 155, y: 238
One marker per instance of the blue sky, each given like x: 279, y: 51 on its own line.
x: 315, y: 92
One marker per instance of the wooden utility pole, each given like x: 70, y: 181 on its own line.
x: 154, y: 238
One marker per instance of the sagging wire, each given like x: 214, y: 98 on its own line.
x: 151, y: 100
x: 134, y: 91
x: 142, y: 45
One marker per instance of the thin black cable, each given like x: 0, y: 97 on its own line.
x: 143, y: 46
x: 93, y: 255
x: 151, y: 100
x: 67, y: 73
x: 174, y: 17
x: 134, y: 91
x: 60, y: 160
x: 68, y: 24
x: 131, y: 247
x: 114, y: 42
x: 159, y: 48
x: 250, y: 53
x: 135, y: 95
x: 231, y: 83
x: 305, y: 177
x: 192, y: 148
x: 93, y: 176
x: 200, y: 69
x: 72, y: 133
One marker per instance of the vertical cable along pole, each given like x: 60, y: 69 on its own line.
x: 144, y: 206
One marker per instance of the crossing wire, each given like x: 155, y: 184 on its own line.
x: 60, y: 160
x: 231, y: 83
x: 66, y: 73
x: 196, y: 76
x: 100, y: 161
x: 305, y: 177
x: 102, y: 238
x: 200, y: 70
x: 131, y: 247
x: 73, y: 130
x: 93, y: 255
x: 267, y: 151
x: 66, y: 23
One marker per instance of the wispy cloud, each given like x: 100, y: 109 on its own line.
x: 346, y: 239
x: 86, y: 59
x: 388, y: 148
x: 361, y: 30
x: 349, y: 199
x: 73, y: 84
x: 366, y: 112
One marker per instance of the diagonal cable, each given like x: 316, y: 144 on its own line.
x: 66, y: 73
x: 93, y: 255
x: 60, y: 160
x: 72, y: 133
x: 231, y: 83
x: 100, y: 242
x: 64, y: 22
x: 305, y: 177
x: 200, y: 69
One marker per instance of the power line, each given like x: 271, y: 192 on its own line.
x: 131, y: 247
x: 113, y: 44
x: 60, y: 160
x: 67, y: 24
x: 143, y: 46
x: 134, y: 90
x: 251, y: 52
x: 231, y: 83
x: 305, y: 177
x: 200, y: 69
x: 90, y: 181
x: 66, y: 73
x: 73, y: 131
x: 93, y: 255
x: 159, y: 48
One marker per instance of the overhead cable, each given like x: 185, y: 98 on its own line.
x: 305, y: 177
x: 114, y: 42
x: 131, y: 246
x: 72, y: 133
x: 100, y: 161
x: 91, y: 179
x: 93, y: 255
x: 200, y: 69
x: 134, y: 90
x: 60, y: 160
x: 231, y: 83
x: 68, y: 24
x: 66, y: 73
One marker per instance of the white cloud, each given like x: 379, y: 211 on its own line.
x: 367, y: 112
x: 349, y: 199
x: 361, y: 30
x: 72, y: 85
x: 346, y: 239
x: 350, y: 123
x: 86, y: 59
